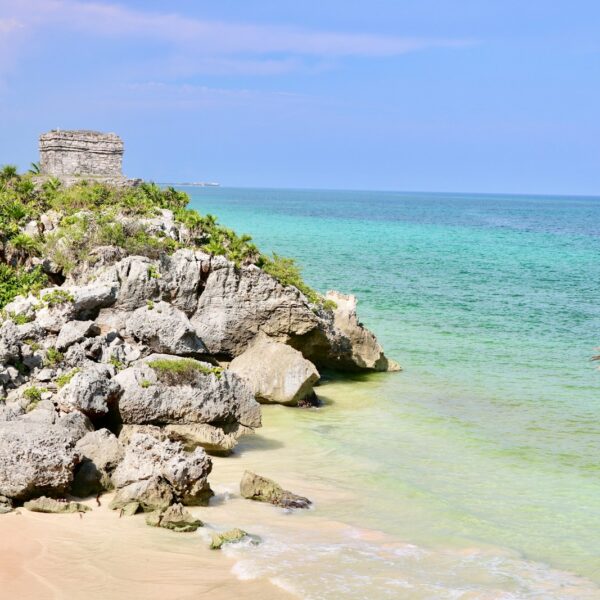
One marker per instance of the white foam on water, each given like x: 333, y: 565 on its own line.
x: 316, y: 569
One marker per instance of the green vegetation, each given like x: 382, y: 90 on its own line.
x: 181, y: 371
x: 17, y: 319
x: 19, y: 281
x: 53, y: 357
x: 65, y: 378
x: 95, y: 215
x: 153, y: 272
x: 32, y: 344
x: 56, y: 297
x: 145, y: 383
x: 150, y: 304
x: 287, y: 272
x: 116, y: 363
x: 33, y: 394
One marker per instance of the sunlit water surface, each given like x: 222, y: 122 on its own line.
x: 475, y: 473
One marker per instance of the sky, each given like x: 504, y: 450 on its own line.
x: 424, y: 95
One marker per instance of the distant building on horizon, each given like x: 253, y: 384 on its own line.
x: 79, y: 155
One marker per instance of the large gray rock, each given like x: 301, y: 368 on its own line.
x: 211, y: 397
x: 276, y: 372
x: 100, y: 452
x: 73, y: 332
x: 236, y: 304
x: 90, y: 391
x: 164, y: 329
x: 137, y: 282
x: 149, y: 463
x: 182, y: 278
x: 9, y: 342
x: 35, y: 459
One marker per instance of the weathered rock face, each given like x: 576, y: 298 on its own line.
x: 365, y: 351
x: 155, y: 473
x: 213, y: 398
x: 73, y: 332
x: 237, y: 304
x: 81, y: 154
x: 164, y: 328
x: 35, y: 459
x: 341, y: 342
x: 90, y: 391
x: 256, y: 487
x: 100, y: 452
x: 276, y: 372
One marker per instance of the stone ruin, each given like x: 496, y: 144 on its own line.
x: 73, y: 156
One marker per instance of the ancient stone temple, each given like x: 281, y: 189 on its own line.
x: 73, y: 156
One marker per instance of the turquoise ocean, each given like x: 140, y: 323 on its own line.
x: 474, y: 473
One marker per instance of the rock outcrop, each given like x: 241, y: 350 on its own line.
x: 276, y: 372
x: 170, y: 349
x: 100, y: 452
x: 197, y: 394
x: 155, y: 474
x: 35, y: 459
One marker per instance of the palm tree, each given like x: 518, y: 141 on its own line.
x: 34, y: 169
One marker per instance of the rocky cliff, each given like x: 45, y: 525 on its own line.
x: 121, y: 312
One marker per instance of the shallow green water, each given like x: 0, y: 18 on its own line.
x: 490, y: 438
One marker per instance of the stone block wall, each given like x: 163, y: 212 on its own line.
x: 81, y: 154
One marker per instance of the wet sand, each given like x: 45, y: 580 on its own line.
x: 100, y: 556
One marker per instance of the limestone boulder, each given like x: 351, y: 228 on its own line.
x: 149, y: 463
x: 35, y: 459
x: 73, y: 332
x: 137, y: 281
x: 164, y: 329
x: 182, y: 278
x: 276, y: 372
x: 202, y: 395
x: 237, y: 304
x: 99, y: 452
x: 91, y: 391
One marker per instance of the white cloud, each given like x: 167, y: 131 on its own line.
x: 205, y: 45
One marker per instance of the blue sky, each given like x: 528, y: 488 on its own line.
x: 434, y: 95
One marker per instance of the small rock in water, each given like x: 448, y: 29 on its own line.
x: 231, y: 537
x: 176, y: 518
x: 50, y: 505
x: 256, y: 487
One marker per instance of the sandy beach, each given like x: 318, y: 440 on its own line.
x: 99, y: 556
